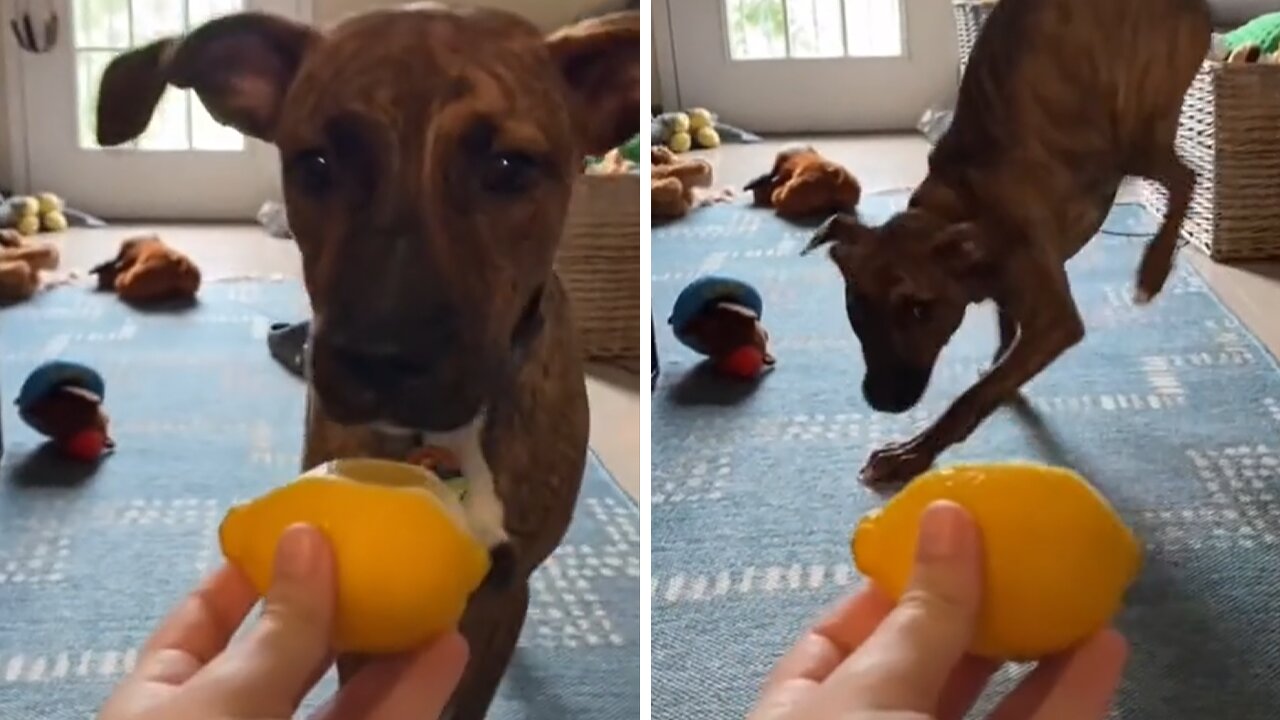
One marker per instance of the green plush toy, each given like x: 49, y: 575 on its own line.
x: 1263, y: 31
x: 629, y: 151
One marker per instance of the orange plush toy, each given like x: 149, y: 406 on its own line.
x: 146, y: 270
x: 673, y: 181
x: 804, y: 184
x: 21, y: 260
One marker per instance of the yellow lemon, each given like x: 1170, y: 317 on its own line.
x: 48, y: 203
x: 24, y: 205
x: 28, y: 225
x: 708, y: 138
x: 700, y: 118
x: 54, y: 221
x: 406, y: 561
x: 1058, y: 557
x: 680, y: 142
x: 679, y: 123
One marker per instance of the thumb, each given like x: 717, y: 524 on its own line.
x: 906, y: 662
x: 282, y: 657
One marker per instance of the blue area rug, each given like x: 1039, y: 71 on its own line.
x: 204, y: 417
x: 1172, y: 410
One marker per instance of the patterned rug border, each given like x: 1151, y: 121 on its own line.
x: 1224, y: 307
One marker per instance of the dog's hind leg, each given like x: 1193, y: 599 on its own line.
x: 1165, y: 167
x: 492, y: 626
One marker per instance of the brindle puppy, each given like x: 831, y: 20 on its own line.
x: 1060, y: 101
x: 428, y: 155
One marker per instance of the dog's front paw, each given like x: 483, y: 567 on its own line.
x: 896, y: 464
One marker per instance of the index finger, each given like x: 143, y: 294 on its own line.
x: 198, y: 628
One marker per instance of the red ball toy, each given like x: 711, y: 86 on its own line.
x: 85, y: 446
x: 746, y: 362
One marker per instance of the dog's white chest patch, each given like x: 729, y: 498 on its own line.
x: 481, y: 503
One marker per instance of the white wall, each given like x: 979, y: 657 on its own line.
x: 6, y: 155
x: 655, y: 79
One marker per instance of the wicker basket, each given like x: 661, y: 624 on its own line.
x: 599, y: 263
x: 1230, y: 136
x: 969, y: 16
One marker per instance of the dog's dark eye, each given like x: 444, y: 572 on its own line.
x: 509, y: 173
x: 313, y: 171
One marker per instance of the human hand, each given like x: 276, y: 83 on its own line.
x: 187, y: 670
x: 871, y: 660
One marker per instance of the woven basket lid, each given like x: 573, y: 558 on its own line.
x: 705, y: 291
x: 58, y: 373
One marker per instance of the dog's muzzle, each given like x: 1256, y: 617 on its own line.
x: 897, y: 390
x: 419, y: 385
x: 359, y: 385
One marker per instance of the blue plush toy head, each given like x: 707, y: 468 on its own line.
x: 701, y: 294
x: 55, y: 374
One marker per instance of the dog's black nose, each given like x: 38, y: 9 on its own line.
x: 895, y: 392
x: 376, y: 369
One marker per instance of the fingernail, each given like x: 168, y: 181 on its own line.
x: 943, y: 528
x: 297, y: 552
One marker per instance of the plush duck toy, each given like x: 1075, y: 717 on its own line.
x: 63, y: 401
x: 804, y: 184
x: 719, y: 317
x: 146, y: 270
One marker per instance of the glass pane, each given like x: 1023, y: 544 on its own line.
x: 816, y: 28
x: 209, y: 134
x: 202, y: 10
x: 101, y: 23
x: 180, y: 121
x: 757, y: 29
x: 874, y: 28
x: 89, y: 68
x: 168, y: 127
x: 154, y: 19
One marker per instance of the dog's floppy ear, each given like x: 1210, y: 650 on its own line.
x: 842, y: 228
x: 962, y: 246
x: 600, y: 61
x: 239, y: 65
